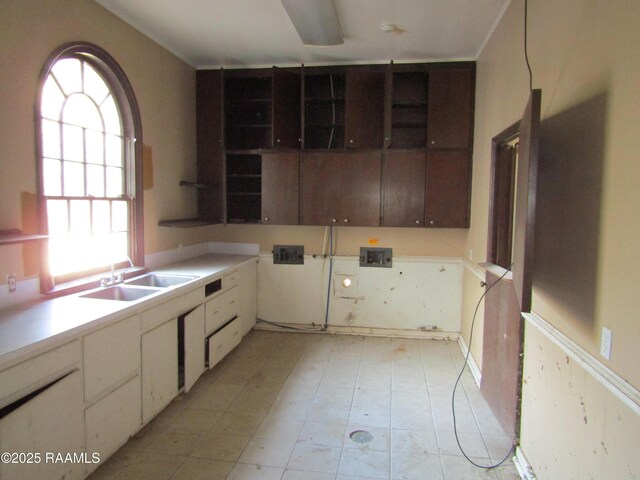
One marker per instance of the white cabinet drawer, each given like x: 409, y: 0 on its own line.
x: 221, y: 309
x: 111, y: 355
x: 25, y: 377
x: 230, y: 280
x: 110, y: 422
x: 221, y: 343
x: 173, y: 308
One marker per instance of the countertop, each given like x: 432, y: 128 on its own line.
x: 32, y: 328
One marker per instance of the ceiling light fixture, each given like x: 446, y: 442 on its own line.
x: 316, y: 21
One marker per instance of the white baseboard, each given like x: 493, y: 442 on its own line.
x: 522, y: 465
x: 365, y: 331
x: 473, y: 366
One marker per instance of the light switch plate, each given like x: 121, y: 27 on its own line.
x: 11, y: 281
x: 605, y: 343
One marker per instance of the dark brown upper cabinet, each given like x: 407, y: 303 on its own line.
x: 244, y: 187
x: 286, y: 109
x: 406, y: 109
x: 403, y: 189
x: 364, y: 109
x: 248, y: 110
x: 448, y: 189
x: 209, y: 130
x: 340, y: 188
x: 280, y: 188
x: 356, y: 114
x: 323, y: 113
x: 450, y: 108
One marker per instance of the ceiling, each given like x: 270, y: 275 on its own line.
x: 252, y: 33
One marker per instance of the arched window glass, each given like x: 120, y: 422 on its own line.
x: 88, y: 165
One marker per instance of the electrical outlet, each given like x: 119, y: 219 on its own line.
x: 11, y: 280
x: 605, y: 343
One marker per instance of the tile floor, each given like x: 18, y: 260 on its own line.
x: 282, y: 405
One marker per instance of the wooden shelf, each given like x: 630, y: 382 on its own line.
x: 13, y: 236
x: 202, y: 186
x: 410, y: 105
x: 186, y: 223
x: 409, y: 125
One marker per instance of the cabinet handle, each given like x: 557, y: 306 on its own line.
x: 346, y: 220
x: 266, y: 219
x: 417, y: 222
x: 431, y: 222
x: 433, y: 142
x: 277, y: 140
x: 351, y: 141
x: 333, y: 220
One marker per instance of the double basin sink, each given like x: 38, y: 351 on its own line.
x: 139, y: 287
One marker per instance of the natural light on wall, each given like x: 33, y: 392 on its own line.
x: 84, y: 170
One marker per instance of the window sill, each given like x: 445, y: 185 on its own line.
x: 497, y: 270
x: 91, y: 281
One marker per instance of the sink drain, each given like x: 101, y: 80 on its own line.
x: 361, y: 436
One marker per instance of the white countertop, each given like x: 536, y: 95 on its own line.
x: 32, y: 328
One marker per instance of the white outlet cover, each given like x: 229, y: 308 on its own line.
x: 605, y: 343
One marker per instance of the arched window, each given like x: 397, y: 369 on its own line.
x: 89, y: 166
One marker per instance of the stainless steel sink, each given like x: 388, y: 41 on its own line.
x: 159, y: 280
x: 121, y: 293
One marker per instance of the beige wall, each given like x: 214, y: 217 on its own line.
x: 404, y: 241
x: 584, y: 56
x: 165, y: 88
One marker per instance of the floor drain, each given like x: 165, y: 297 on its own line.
x: 361, y: 436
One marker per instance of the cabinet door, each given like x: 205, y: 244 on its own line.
x: 159, y: 368
x: 111, y: 355
x: 450, y: 108
x: 280, y: 188
x: 448, y: 192
x: 209, y: 130
x: 52, y: 421
x: 248, y: 296
x: 110, y: 422
x: 364, y: 109
x: 286, y: 109
x: 359, y: 191
x: 193, y: 347
x: 320, y: 185
x: 403, y: 187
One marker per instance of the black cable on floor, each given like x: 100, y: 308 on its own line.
x: 455, y: 387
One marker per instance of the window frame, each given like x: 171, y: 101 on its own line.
x: 125, y: 98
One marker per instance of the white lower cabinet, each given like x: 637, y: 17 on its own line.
x: 248, y: 293
x: 194, y: 352
x: 49, y: 424
x: 111, y: 421
x: 223, y: 341
x: 159, y: 368
x: 111, y: 358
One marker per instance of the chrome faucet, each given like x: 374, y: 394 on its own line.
x: 114, y: 279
